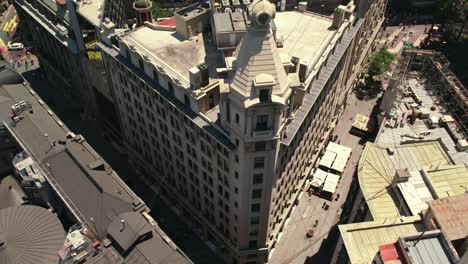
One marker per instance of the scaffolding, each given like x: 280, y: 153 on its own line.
x: 435, y: 69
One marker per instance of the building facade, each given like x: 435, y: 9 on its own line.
x: 231, y: 147
x: 64, y: 36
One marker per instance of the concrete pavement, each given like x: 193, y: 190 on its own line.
x: 395, y: 38
x: 293, y: 246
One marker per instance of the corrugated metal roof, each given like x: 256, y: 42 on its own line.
x: 222, y: 22
x: 447, y: 180
x: 377, y: 169
x: 427, y: 250
x: 452, y: 215
x: 30, y: 234
x: 362, y: 240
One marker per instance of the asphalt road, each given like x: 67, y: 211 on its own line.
x: 7, y: 30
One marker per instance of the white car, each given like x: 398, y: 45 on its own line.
x: 16, y: 46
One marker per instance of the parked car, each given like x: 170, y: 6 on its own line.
x: 15, y: 46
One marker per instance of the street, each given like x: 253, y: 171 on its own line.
x: 293, y: 245
x: 7, y: 31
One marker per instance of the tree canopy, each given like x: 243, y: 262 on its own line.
x: 380, y: 62
x: 159, y: 12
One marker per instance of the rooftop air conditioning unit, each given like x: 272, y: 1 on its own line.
x: 195, y: 78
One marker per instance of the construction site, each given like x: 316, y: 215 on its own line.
x: 426, y: 93
x: 415, y: 172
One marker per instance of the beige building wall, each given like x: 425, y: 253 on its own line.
x: 236, y: 192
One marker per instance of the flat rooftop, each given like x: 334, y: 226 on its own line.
x: 305, y: 35
x: 362, y: 240
x: 176, y: 54
x: 70, y: 164
x: 11, y: 193
x: 447, y: 180
x: 395, y: 136
x: 90, y: 10
x: 377, y: 168
x: 82, y: 179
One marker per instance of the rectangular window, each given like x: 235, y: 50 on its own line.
x: 237, y: 118
x: 155, y: 76
x: 262, y: 123
x: 252, y: 244
x: 257, y: 193
x: 260, y: 146
x: 258, y: 178
x: 264, y: 95
x: 259, y: 162
x: 255, y: 208
x: 186, y: 100
x: 255, y: 220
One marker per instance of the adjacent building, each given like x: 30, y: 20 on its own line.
x: 413, y: 177
x: 63, y: 35
x: 227, y: 112
x: 88, y: 214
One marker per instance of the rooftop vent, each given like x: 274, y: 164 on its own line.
x: 402, y: 175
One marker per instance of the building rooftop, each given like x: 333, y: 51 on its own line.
x: 57, y: 25
x: 74, y: 169
x: 30, y: 234
x: 91, y: 10
x: 410, y: 132
x: 318, y: 85
x: 131, y: 227
x: 428, y: 247
x: 11, y: 193
x: 451, y: 214
x: 87, y: 185
x: 377, y: 168
x: 305, y: 35
x: 201, y: 122
x: 362, y: 240
x: 446, y: 180
x: 60, y: 10
x: 176, y: 55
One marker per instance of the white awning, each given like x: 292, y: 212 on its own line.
x: 318, y: 178
x: 330, y: 183
x: 335, y: 157
x: 327, y: 159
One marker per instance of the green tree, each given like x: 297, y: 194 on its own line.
x: 380, y: 62
x: 159, y: 12
x: 453, y: 16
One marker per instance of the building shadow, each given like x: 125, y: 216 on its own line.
x: 325, y: 253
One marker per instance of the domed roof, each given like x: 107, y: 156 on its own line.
x: 30, y: 234
x: 142, y: 4
x: 261, y: 13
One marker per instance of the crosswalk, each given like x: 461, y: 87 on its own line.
x: 10, y: 25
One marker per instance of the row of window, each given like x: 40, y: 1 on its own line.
x: 192, y: 157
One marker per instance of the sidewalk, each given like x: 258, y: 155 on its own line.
x: 293, y: 246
